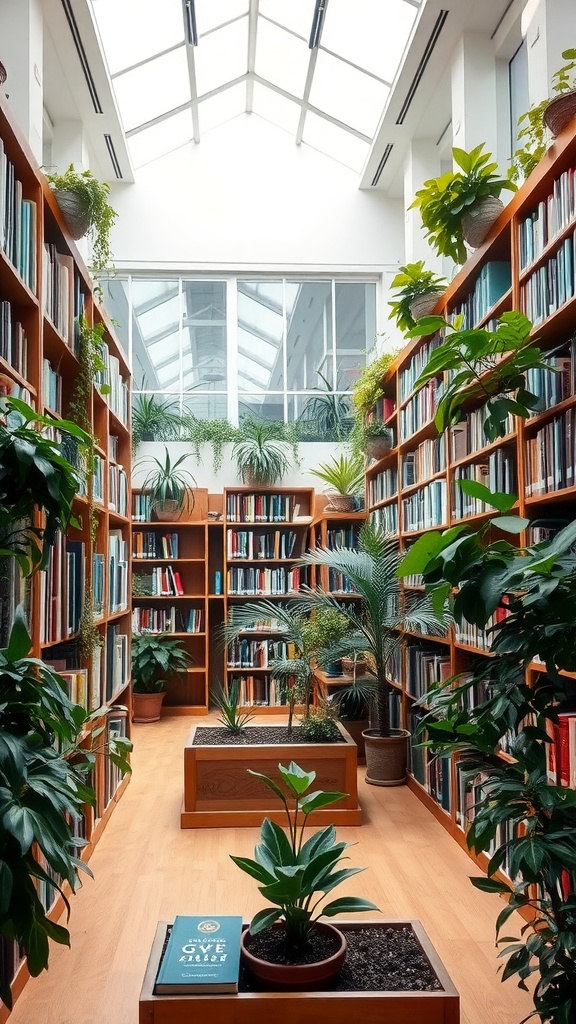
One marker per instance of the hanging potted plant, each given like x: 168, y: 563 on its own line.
x: 461, y: 206
x: 560, y: 110
x: 156, y: 657
x: 344, y: 478
x: 417, y: 292
x: 552, y: 114
x: 262, y: 458
x: 170, y: 487
x: 83, y: 201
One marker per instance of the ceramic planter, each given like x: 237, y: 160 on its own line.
x: 146, y: 707
x: 479, y: 219
x: 423, y: 304
x: 340, y: 503
x: 386, y: 757
x: 296, y: 976
x: 219, y: 792
x: 560, y: 112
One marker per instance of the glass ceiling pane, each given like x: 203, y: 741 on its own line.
x: 294, y: 14
x: 374, y: 37
x: 133, y: 30
x: 269, y: 292
x: 348, y: 94
x: 221, y: 56
x: 276, y: 108
x: 335, y: 142
x: 221, y: 108
x: 153, y: 89
x: 211, y: 13
x: 281, y: 58
x: 161, y: 138
x: 249, y: 343
x: 259, y: 319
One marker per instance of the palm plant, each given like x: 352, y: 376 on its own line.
x: 344, y: 475
x: 262, y: 459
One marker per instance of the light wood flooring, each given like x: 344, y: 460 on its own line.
x: 147, y: 869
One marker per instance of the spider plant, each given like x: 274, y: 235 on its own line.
x: 261, y: 458
x: 167, y: 482
x: 328, y: 412
x: 154, y: 420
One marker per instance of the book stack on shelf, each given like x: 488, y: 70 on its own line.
x: 45, y: 289
x: 334, y: 530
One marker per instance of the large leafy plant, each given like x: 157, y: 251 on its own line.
x: 369, y: 386
x: 294, y: 874
x: 328, y: 413
x: 156, y: 658
x: 43, y: 789
x: 167, y: 480
x: 444, y: 200
x: 154, y: 420
x: 411, y: 282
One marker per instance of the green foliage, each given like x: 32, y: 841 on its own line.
x: 93, y: 196
x: 533, y: 131
x: 227, y: 702
x: 260, y: 455
x: 33, y: 475
x: 369, y: 386
x: 319, y: 726
x: 167, y: 481
x: 344, y: 475
x: 485, y: 366
x: 410, y: 283
x: 43, y: 790
x: 443, y: 201
x: 537, y: 587
x: 323, y: 629
x: 154, y: 420
x: 292, y: 872
x: 214, y: 432
x: 155, y: 659
x: 352, y: 703
x: 328, y: 412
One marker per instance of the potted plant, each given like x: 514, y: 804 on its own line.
x: 327, y: 414
x: 461, y: 206
x: 352, y: 706
x: 376, y: 624
x: 154, y: 420
x: 170, y: 487
x: 562, y: 107
x: 83, y: 201
x: 291, y: 948
x: 552, y: 113
x: 261, y: 458
x: 344, y: 477
x: 156, y: 657
x: 417, y: 292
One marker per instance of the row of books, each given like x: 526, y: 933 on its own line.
x: 58, y: 291
x: 383, y: 485
x: 551, y: 455
x: 150, y: 544
x: 115, y: 661
x: 410, y: 374
x: 98, y: 583
x: 550, y: 217
x: 17, y: 222
x: 141, y: 508
x: 470, y: 796
x: 51, y: 388
x: 425, y: 508
x: 476, y: 636
x: 252, y: 581
x: 339, y: 583
x: 432, y: 772
x: 115, y: 386
x: 342, y: 537
x: 261, y: 508
x: 98, y: 479
x: 425, y: 666
x: 260, y: 690
x: 561, y: 751
x: 386, y: 518
x: 550, y: 286
x: 244, y: 653
x: 248, y: 544
x: 161, y: 581
x: 468, y: 435
x: 556, y: 384
x: 420, y: 409
x: 116, y: 727
x: 394, y: 666
x: 384, y: 408
x: 428, y: 459
x: 118, y: 490
x: 62, y: 590
x: 168, y: 620
x: 493, y: 281
x: 117, y: 572
x: 13, y: 340
x: 498, y: 473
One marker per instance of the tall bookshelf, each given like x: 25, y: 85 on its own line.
x: 527, y: 263
x: 44, y: 291
x: 265, y: 533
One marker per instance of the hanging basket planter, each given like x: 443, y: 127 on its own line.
x: 78, y: 221
x: 560, y: 112
x: 479, y: 219
x: 423, y: 305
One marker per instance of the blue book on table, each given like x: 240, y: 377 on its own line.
x: 202, y: 955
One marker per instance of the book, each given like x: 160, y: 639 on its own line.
x: 202, y: 955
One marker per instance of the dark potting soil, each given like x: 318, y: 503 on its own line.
x: 378, y: 959
x: 261, y: 735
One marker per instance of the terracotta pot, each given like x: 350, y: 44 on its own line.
x: 479, y: 219
x: 77, y: 220
x: 423, y: 304
x: 386, y: 757
x: 296, y: 976
x: 377, y: 447
x: 339, y: 503
x: 146, y: 706
x: 560, y: 112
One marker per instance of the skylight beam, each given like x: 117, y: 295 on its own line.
x: 252, y: 36
x: 306, y: 95
x: 191, y: 37
x: 357, y: 67
x: 185, y: 106
x: 147, y: 60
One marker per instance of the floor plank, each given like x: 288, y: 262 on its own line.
x: 147, y: 869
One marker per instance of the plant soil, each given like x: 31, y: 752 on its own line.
x: 377, y: 960
x: 267, y: 736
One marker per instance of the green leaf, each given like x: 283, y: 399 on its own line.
x: 263, y: 919
x: 19, y: 643
x: 271, y: 785
x: 511, y: 524
x: 297, y: 780
x: 497, y: 499
x: 276, y: 840
x: 348, y: 905
x: 491, y: 885
x: 314, y: 801
x: 251, y: 867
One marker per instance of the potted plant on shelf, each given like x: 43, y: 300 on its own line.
x: 461, y: 206
x: 156, y: 657
x: 287, y: 944
x: 344, y: 477
x: 170, y: 487
x: 417, y: 292
x: 262, y: 458
x: 552, y: 113
x: 154, y: 420
x: 83, y: 201
x: 377, y: 622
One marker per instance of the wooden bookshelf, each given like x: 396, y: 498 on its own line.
x: 45, y: 288
x: 412, y: 489
x: 329, y: 530
x: 265, y: 533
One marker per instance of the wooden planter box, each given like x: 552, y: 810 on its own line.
x: 442, y: 1007
x: 219, y: 792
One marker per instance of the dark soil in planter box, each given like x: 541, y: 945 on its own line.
x: 378, y: 959
x: 260, y: 735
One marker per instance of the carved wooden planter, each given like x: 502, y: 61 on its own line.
x: 219, y: 792
x: 441, y: 1007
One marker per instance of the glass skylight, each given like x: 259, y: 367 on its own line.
x: 182, y: 67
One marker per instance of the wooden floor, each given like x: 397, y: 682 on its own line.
x: 147, y: 869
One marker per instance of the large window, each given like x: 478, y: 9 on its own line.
x: 282, y: 349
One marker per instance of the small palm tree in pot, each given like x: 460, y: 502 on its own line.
x: 344, y: 479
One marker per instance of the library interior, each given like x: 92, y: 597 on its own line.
x: 287, y: 544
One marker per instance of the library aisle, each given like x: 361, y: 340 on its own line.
x: 146, y: 868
